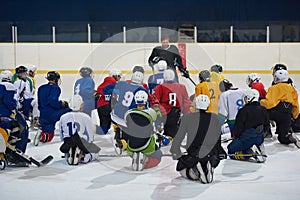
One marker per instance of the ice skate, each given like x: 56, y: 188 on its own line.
x: 12, y: 161
x: 120, y: 146
x: 210, y: 172
x: 137, y: 161
x: 77, y: 156
x: 35, y: 123
x: 293, y: 138
x: 3, y: 162
x: 202, y: 176
x: 257, y: 154
x: 69, y: 156
x: 37, y: 138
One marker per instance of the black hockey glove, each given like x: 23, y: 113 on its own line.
x: 64, y: 104
x: 97, y: 96
x: 185, y: 74
x: 156, y: 59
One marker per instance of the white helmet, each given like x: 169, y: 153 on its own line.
x: 202, y: 102
x: 251, y: 95
x: 281, y: 76
x: 6, y: 76
x: 137, y: 77
x: 251, y: 78
x: 169, y: 75
x: 31, y: 68
x: 115, y: 72
x: 141, y: 97
x: 76, y: 102
x: 161, y: 65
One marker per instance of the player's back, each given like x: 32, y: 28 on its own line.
x: 48, y: 95
x: 172, y: 95
x: 216, y: 77
x: 85, y: 88
x: 230, y: 102
x: 7, y: 101
x: 155, y: 80
x: 76, y: 122
x: 215, y: 93
x: 125, y: 99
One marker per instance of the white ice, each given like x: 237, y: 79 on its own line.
x: 112, y: 178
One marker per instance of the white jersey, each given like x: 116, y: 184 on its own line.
x: 230, y: 102
x: 76, y: 122
x: 24, y: 89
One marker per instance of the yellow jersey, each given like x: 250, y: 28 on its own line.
x: 282, y: 92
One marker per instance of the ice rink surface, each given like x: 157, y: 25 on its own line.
x: 112, y: 177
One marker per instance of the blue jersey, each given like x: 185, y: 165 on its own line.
x: 7, y: 101
x: 124, y: 93
x: 48, y: 99
x: 155, y: 80
x: 85, y: 87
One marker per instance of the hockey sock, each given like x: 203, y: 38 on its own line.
x: 47, y: 137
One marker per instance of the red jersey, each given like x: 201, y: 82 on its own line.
x: 171, y: 95
x: 260, y: 88
x: 104, y: 100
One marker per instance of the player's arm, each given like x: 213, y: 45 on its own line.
x: 295, y: 104
x: 154, y: 57
x: 179, y: 64
x: 176, y: 143
x: 53, y: 98
x: 89, y: 128
x: 61, y: 131
x: 6, y: 99
x: 222, y: 108
x: 271, y: 99
x: 239, y: 125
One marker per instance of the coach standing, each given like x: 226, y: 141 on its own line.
x: 170, y: 54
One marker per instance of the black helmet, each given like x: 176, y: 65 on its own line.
x: 204, y: 75
x: 279, y: 67
x: 225, y: 85
x: 138, y: 68
x: 216, y: 68
x: 53, y: 76
x: 21, y: 69
x: 85, y: 72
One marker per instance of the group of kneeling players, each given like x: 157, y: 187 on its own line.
x: 148, y: 117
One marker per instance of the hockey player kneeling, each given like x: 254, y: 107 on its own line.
x: 76, y: 130
x: 139, y: 134
x: 203, y: 132
x: 251, y: 122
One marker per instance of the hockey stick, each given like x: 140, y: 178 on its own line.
x: 123, y: 156
x: 226, y: 140
x: 30, y: 159
x: 192, y: 81
x: 118, y: 156
x: 248, y: 154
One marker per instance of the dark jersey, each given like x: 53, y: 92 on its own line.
x: 7, y: 101
x: 170, y: 55
x: 202, y: 130
x: 251, y: 115
x: 48, y: 99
